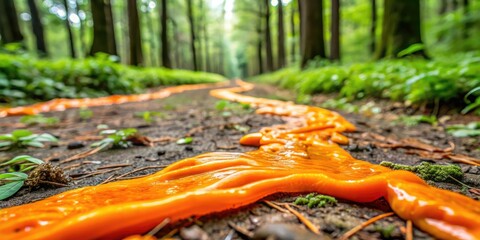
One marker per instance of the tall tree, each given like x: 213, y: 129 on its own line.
x: 69, y: 30
x: 268, y: 37
x: 9, y: 28
x: 281, y: 36
x: 136, y: 55
x: 294, y: 44
x: 103, y: 29
x: 203, y: 28
x: 81, y: 23
x: 221, y: 70
x: 311, y: 25
x: 166, y: 62
x: 373, y: 26
x: 335, y: 31
x: 37, y: 27
x: 400, y: 28
x: 192, y: 34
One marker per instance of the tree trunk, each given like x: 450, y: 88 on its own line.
x: 192, y: 34
x: 200, y: 42
x: 206, y: 54
x: 221, y: 70
x: 103, y: 29
x: 82, y: 30
x: 136, y: 55
x: 443, y: 7
x: 260, y: 57
x: 37, y: 27
x: 268, y: 38
x: 312, y: 40
x: 9, y: 28
x: 281, y: 37
x: 373, y: 27
x: 400, y: 28
x: 151, y: 39
x: 466, y: 13
x: 335, y: 29
x: 69, y: 30
x: 294, y: 44
x: 166, y: 62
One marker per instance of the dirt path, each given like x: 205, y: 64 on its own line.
x: 194, y: 114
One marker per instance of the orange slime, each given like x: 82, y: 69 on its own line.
x: 300, y: 156
x: 60, y: 104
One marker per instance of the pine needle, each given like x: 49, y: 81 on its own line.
x: 354, y: 230
x: 303, y: 219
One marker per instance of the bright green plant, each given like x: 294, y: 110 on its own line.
x: 186, y: 140
x: 475, y: 105
x: 149, y: 116
x: 11, y: 182
x: 461, y: 130
x: 39, y: 119
x: 116, y: 138
x: 315, y: 200
x: 24, y: 138
x: 85, y: 113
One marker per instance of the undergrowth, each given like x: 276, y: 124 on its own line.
x: 24, y: 79
x: 415, y: 81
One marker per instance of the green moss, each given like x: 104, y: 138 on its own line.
x: 428, y: 171
x: 313, y: 200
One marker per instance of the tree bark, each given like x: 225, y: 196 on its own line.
x: 400, y: 28
x: 69, y: 30
x: 192, y: 34
x: 82, y: 30
x: 221, y: 69
x: 103, y: 29
x: 268, y: 37
x: 335, y: 29
x: 281, y: 37
x: 9, y: 28
x: 373, y: 26
x: 136, y: 54
x: 466, y: 13
x: 37, y: 27
x: 166, y: 62
x: 204, y: 30
x: 312, y: 39
x: 294, y: 44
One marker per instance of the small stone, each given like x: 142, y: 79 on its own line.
x: 194, y: 233
x: 188, y: 148
x: 161, y: 152
x: 75, y: 145
x: 282, y: 231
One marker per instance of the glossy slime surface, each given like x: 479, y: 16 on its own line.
x: 300, y: 156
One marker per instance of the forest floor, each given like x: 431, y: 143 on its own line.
x: 194, y: 114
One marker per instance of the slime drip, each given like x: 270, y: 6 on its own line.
x: 299, y: 156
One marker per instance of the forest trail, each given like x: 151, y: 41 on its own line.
x: 212, y: 130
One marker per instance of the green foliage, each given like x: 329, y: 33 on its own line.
x: 227, y: 108
x: 85, y: 113
x: 25, y: 79
x: 24, y: 138
x: 417, y: 119
x: 475, y: 105
x: 12, y: 182
x: 186, y: 140
x: 116, y: 138
x: 414, y: 81
x: 411, y: 49
x: 149, y: 116
x: 428, y: 171
x: 461, y: 130
x: 39, y: 119
x: 315, y: 200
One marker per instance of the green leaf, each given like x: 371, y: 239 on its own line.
x: 9, y: 189
x: 14, y: 176
x: 186, y: 140
x: 5, y: 144
x: 465, y: 133
x: 411, y: 49
x: 23, y: 158
x: 20, y: 133
x: 45, y: 137
x: 6, y: 137
x: 33, y: 144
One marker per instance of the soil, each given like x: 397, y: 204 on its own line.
x: 194, y: 114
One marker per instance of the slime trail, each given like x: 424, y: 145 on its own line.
x: 300, y: 156
x: 60, y: 104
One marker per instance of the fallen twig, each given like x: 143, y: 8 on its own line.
x: 303, y: 219
x: 134, y: 171
x: 363, y: 225
x: 271, y: 204
x: 409, y: 235
x: 96, y: 173
x: 241, y: 230
x: 114, y: 166
x: 82, y: 154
